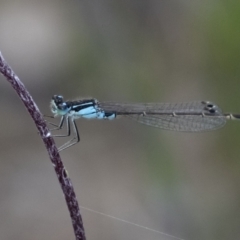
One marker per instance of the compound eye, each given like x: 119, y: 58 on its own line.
x: 62, y: 106
x: 58, y: 99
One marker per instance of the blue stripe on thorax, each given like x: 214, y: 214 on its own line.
x: 89, y: 109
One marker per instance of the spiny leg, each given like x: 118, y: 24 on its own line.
x: 76, y: 137
x: 57, y: 126
x: 60, y: 127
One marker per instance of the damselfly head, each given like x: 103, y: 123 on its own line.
x: 58, y: 106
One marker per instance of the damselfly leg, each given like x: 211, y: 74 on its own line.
x: 66, y: 119
x: 72, y: 141
x: 60, y: 126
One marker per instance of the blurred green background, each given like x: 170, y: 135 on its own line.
x: 183, y: 184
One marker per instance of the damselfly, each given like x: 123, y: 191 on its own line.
x: 196, y: 116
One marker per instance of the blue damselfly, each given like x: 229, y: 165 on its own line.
x: 195, y: 116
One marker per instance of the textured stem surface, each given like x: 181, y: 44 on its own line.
x: 41, y: 125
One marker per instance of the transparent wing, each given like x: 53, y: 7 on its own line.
x: 182, y: 123
x: 192, y: 116
x: 119, y: 108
